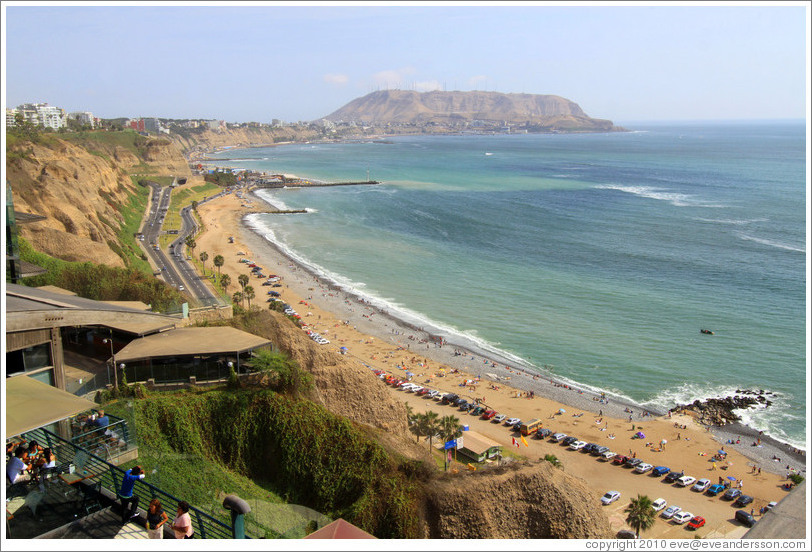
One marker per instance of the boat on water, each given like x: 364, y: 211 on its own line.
x: 704, y: 331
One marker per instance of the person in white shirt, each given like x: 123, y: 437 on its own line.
x: 16, y: 470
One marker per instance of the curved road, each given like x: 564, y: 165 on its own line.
x: 175, y: 270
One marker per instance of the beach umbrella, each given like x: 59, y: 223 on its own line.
x: 561, y: 411
x: 731, y: 478
x: 344, y: 349
x: 640, y: 435
x: 720, y: 451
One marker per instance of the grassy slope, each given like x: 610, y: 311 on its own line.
x: 262, y: 446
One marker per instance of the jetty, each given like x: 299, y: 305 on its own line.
x: 287, y: 183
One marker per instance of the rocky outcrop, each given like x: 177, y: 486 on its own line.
x: 410, y: 107
x: 721, y: 411
x: 199, y: 140
x: 536, y: 501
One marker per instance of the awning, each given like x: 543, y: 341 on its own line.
x: 31, y: 404
x: 191, y: 342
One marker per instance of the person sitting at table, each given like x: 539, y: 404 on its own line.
x: 16, y: 469
x: 33, y: 450
x: 46, y: 461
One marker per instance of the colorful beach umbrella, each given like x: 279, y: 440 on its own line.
x: 640, y: 435
x: 720, y: 451
x: 731, y: 478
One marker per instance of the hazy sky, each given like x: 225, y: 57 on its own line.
x: 257, y: 62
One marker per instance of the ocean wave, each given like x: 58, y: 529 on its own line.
x: 770, y: 419
x: 674, y: 198
x: 771, y: 243
x: 731, y: 221
x: 272, y: 199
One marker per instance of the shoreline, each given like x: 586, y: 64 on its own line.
x: 386, y: 326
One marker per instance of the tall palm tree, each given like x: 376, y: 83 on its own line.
x: 417, y: 426
x: 450, y: 427
x: 248, y: 293
x: 243, y: 280
x: 641, y: 514
x: 203, y: 258
x: 431, y: 421
x: 191, y: 243
x: 219, y: 261
x: 237, y: 297
x: 225, y: 281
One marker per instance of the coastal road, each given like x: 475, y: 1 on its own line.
x: 152, y: 230
x: 196, y: 285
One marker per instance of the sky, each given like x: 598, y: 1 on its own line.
x: 264, y: 61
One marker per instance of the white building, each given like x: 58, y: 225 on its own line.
x: 84, y: 118
x: 43, y: 114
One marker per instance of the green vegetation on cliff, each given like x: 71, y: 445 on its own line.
x: 100, y: 282
x: 288, y: 447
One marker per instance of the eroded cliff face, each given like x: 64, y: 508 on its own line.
x: 535, y: 501
x: 208, y: 140
x: 81, y: 193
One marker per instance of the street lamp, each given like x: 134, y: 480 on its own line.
x: 112, y: 354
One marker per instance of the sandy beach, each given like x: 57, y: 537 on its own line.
x: 376, y: 340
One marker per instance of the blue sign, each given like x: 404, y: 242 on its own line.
x: 450, y: 444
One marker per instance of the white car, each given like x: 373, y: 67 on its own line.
x: 671, y: 511
x: 558, y: 437
x: 772, y: 505
x: 658, y: 504
x: 701, y: 485
x: 512, y: 421
x: 686, y: 480
x: 408, y: 386
x: 610, y: 497
x: 608, y: 455
x: 433, y: 393
x: 682, y: 517
x: 643, y: 468
x: 414, y: 389
x: 577, y: 445
x: 499, y: 418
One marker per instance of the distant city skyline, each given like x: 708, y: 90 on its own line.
x: 259, y: 62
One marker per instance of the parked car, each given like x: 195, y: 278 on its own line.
x: 608, y: 455
x: 701, y: 485
x: 669, y: 512
x: 424, y: 391
x: 489, y: 414
x: 660, y: 470
x: 517, y: 426
x: 714, y: 490
x: 558, y: 437
x: 619, y: 459
x: 610, y: 497
x: 658, y: 504
x: 450, y: 398
x: 627, y: 534
x: 433, y: 394
x: 743, y: 516
x: 731, y: 494
x: 478, y: 410
x: 682, y: 517
x: 696, y: 522
x: 743, y: 500
x: 499, y: 418
x: 577, y: 445
x: 543, y: 433
x: 598, y: 450
x: 643, y: 468
x: 771, y: 505
x: 587, y: 448
x: 567, y: 441
x: 633, y: 462
x: 512, y: 421
x: 686, y: 480
x: 673, y: 476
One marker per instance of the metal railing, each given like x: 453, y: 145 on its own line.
x: 109, y: 441
x: 87, y: 464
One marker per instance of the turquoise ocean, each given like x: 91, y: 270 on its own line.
x: 598, y: 257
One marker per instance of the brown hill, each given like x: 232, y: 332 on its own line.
x: 410, y: 107
x: 80, y: 187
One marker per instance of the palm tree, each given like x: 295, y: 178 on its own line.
x: 248, y: 293
x: 450, y: 427
x: 417, y: 426
x: 191, y: 243
x: 641, y: 514
x: 218, y: 262
x: 203, y: 258
x: 243, y: 280
x: 431, y: 421
x: 225, y: 281
x: 237, y: 297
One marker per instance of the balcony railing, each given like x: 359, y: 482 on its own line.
x: 87, y: 464
x: 108, y: 442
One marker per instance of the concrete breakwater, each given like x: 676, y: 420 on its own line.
x: 308, y: 184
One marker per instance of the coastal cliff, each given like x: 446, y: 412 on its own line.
x: 202, y: 140
x: 535, y: 112
x: 81, y: 185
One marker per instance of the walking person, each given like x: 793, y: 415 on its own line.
x: 156, y: 517
x: 125, y: 493
x: 182, y: 524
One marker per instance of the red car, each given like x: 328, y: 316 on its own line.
x: 619, y: 459
x: 488, y: 414
x: 696, y: 522
x: 423, y: 391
